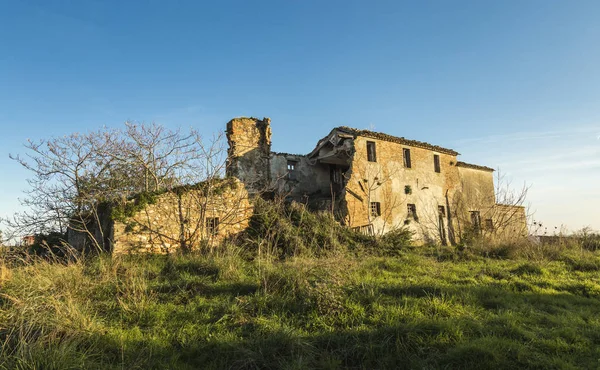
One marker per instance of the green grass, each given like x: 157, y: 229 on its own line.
x: 424, y: 308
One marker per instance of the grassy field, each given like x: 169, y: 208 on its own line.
x: 424, y: 308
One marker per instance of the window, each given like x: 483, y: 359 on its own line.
x: 291, y: 168
x: 371, y: 153
x: 375, y: 209
x: 436, y: 163
x: 489, y: 224
x: 212, y: 225
x: 476, y: 221
x: 335, y: 174
x: 406, y: 155
x: 441, y: 211
x: 412, y: 211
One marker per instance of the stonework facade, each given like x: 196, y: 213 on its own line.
x: 188, y: 217
x: 376, y: 183
x: 185, y: 219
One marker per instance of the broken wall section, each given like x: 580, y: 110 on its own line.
x: 249, y: 152
x: 299, y: 178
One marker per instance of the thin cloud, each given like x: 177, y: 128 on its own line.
x: 575, y: 132
x: 562, y: 167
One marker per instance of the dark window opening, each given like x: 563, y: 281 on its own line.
x: 291, y: 170
x: 442, y: 211
x: 441, y: 227
x: 406, y: 155
x: 476, y: 221
x: 375, y: 209
x: 489, y: 224
x: 371, y: 153
x: 436, y: 163
x: 335, y: 175
x: 412, y: 211
x: 212, y: 225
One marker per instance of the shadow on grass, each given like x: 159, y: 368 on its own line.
x: 515, y: 330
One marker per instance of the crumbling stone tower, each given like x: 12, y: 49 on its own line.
x: 249, y: 150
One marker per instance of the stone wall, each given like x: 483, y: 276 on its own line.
x: 305, y: 182
x: 93, y: 233
x: 249, y: 152
x: 185, y: 218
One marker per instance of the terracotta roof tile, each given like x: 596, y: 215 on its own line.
x: 396, y: 139
x: 474, y: 166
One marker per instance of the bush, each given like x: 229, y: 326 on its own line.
x: 591, y: 242
x: 48, y: 244
x: 283, y: 230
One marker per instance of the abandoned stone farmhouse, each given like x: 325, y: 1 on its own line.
x: 375, y: 182
x: 371, y: 182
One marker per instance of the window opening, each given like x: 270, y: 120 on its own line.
x: 406, y: 156
x: 371, y: 152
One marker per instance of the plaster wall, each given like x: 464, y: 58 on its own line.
x: 394, y: 186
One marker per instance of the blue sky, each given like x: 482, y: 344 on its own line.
x: 510, y: 84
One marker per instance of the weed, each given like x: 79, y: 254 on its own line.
x: 348, y: 308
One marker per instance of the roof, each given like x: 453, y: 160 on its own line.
x: 474, y: 166
x: 396, y: 139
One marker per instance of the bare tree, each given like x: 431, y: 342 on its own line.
x: 511, y: 210
x: 197, y: 168
x: 70, y: 177
x: 501, y: 212
x: 75, y: 177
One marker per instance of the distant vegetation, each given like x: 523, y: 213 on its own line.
x: 300, y: 291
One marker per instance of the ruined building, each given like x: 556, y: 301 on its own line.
x: 375, y: 183
x: 371, y: 182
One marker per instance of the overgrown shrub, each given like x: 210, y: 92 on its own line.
x: 283, y: 229
x: 591, y: 242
